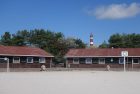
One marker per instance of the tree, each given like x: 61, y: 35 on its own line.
x: 104, y: 45
x: 116, y: 41
x: 70, y: 42
x: 75, y: 43
x: 6, y: 39
x: 80, y: 43
x: 124, y: 40
x: 21, y: 38
x: 39, y: 37
x: 135, y: 40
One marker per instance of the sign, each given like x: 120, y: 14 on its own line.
x: 124, y: 53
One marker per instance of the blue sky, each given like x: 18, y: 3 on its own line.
x: 75, y: 18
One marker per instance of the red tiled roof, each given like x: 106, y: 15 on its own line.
x: 23, y: 51
x: 106, y: 52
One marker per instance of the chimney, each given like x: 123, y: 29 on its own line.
x: 91, y: 40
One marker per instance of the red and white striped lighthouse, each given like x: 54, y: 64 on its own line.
x: 91, y: 40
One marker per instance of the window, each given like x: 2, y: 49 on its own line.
x: 135, y: 60
x: 42, y: 60
x: 76, y: 61
x: 88, y: 60
x: 36, y: 59
x: 95, y: 60
x: 29, y: 59
x: 101, y: 61
x: 16, y: 59
x: 82, y: 60
x: 3, y: 60
x: 121, y: 60
x: 23, y: 59
x: 129, y: 60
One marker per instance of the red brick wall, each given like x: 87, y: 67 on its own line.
x: 103, y: 65
x: 24, y: 65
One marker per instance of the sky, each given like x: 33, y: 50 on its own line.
x: 74, y: 18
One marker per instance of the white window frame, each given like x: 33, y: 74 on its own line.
x: 100, y: 60
x: 16, y: 60
x: 88, y: 59
x: 4, y: 59
x: 74, y: 61
x: 120, y: 60
x: 31, y: 60
x: 43, y: 58
x: 134, y: 62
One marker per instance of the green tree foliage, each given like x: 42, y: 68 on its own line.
x: 80, y: 43
x: 39, y: 37
x: 70, y: 42
x: 75, y: 43
x: 103, y: 45
x: 21, y: 38
x: 6, y: 39
x: 124, y: 40
x: 116, y: 41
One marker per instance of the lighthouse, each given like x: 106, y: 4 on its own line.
x: 91, y: 40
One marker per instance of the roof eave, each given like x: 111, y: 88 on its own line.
x: 97, y: 56
x: 25, y: 55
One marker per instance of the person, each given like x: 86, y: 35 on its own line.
x: 108, y: 68
x: 43, y: 68
x: 68, y: 65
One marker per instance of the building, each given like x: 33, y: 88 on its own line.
x: 24, y: 57
x: 97, y: 57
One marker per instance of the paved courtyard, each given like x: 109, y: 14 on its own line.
x: 70, y: 82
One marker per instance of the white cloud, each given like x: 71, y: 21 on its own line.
x: 116, y: 11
